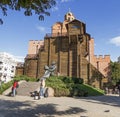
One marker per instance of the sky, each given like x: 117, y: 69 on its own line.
x: 102, y: 19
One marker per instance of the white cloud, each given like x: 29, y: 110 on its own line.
x: 115, y: 41
x: 65, y: 0
x: 55, y: 8
x: 19, y: 58
x: 41, y: 29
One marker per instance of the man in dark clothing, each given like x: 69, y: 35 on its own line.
x: 0, y: 84
x: 119, y: 89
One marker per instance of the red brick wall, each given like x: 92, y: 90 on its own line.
x: 100, y: 62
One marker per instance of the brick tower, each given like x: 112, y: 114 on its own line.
x: 72, y: 48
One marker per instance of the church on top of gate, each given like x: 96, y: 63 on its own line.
x: 72, y: 48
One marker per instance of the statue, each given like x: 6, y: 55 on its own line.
x: 48, y: 71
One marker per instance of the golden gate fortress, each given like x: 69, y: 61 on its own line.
x: 72, y: 48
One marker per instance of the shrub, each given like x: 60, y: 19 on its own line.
x: 65, y: 86
x: 26, y: 78
x: 66, y: 79
x: 61, y: 92
x: 78, y: 80
x: 91, y: 90
x: 77, y: 90
x: 71, y: 80
x: 5, y: 86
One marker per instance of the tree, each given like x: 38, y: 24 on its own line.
x: 115, y: 71
x: 119, y: 59
x: 30, y: 7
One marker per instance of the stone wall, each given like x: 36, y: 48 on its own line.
x: 73, y: 53
x: 34, y: 46
x: 31, y: 68
x: 100, y: 62
x: 19, y: 71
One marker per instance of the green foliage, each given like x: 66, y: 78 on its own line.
x: 55, y: 82
x: 72, y: 80
x: 61, y: 92
x: 5, y: 86
x: 18, y: 78
x: 91, y: 90
x: 26, y: 78
x: 30, y: 7
x: 65, y: 86
x: 115, y: 72
x: 77, y: 90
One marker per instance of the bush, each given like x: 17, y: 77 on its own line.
x: 78, y: 80
x: 78, y: 91
x: 5, y: 86
x: 65, y: 86
x: 91, y: 90
x: 61, y: 92
x: 66, y: 79
x: 71, y: 80
x: 26, y: 78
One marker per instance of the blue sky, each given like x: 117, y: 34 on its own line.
x: 102, y: 19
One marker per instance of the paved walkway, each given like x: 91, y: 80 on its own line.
x: 24, y: 106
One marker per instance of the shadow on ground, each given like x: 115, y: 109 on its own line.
x: 106, y: 100
x: 10, y: 108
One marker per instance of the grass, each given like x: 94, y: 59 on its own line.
x: 63, y: 86
x: 7, y: 85
x: 66, y: 86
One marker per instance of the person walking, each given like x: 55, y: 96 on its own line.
x: 0, y: 84
x: 42, y: 87
x: 119, y: 89
x: 14, y: 87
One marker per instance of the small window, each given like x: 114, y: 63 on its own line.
x: 75, y: 26
x: 0, y: 74
x: 5, y: 69
x: 1, y: 62
x: 4, y: 76
x: 12, y: 71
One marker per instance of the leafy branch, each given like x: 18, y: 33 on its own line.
x: 30, y: 7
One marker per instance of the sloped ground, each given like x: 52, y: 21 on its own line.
x: 25, y: 88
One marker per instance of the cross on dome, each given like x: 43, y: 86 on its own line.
x: 69, y: 16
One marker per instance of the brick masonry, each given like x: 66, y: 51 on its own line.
x: 72, y: 48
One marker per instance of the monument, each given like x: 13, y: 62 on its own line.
x: 72, y: 48
x: 48, y: 71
